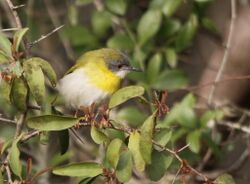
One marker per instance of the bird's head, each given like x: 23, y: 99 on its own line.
x: 116, y: 61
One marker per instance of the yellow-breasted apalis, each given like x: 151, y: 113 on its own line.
x: 95, y: 77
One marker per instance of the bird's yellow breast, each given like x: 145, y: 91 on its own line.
x: 101, y: 77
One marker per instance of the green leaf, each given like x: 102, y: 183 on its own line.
x: 170, y: 80
x: 209, y: 25
x: 6, y: 145
x: 153, y: 68
x: 98, y: 136
x: 124, y: 167
x: 146, y: 138
x: 224, y: 179
x: 186, y: 33
x: 163, y: 137
x: 203, y: 1
x: 170, y: 27
x: 170, y: 7
x: 134, y: 147
x: 79, y: 36
x: 51, y: 122
x: 113, y: 152
x: 101, y: 22
x: 64, y: 140
x: 131, y: 115
x: 18, y: 36
x: 18, y: 94
x: 16, y: 69
x: 171, y: 57
x: 120, y: 41
x: 5, y: 44
x: 193, y: 139
x: 148, y: 25
x: 124, y: 94
x: 87, y: 180
x: 1, y: 177
x: 14, y: 159
x: 3, y: 57
x: 209, y: 115
x: 83, y: 2
x: 187, y: 117
x: 73, y: 14
x: 160, y: 164
x: 182, y: 113
x: 35, y: 80
x: 117, y: 6
x: 46, y: 68
x: 86, y: 169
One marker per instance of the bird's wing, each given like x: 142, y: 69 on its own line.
x: 79, y: 63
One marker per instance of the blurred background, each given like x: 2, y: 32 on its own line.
x: 180, y: 45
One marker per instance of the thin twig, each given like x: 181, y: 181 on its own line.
x: 235, y: 126
x: 175, y: 177
x: 7, y: 120
x: 18, y: 6
x: 14, y: 13
x: 7, y: 168
x: 55, y: 20
x: 191, y: 88
x: 183, y: 148
x: 30, y: 135
x: 98, y: 5
x: 9, y: 29
x: 20, y: 123
x: 45, y: 36
x: 74, y: 132
x: 226, y: 54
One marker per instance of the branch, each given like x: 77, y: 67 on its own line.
x: 185, y: 167
x: 7, y: 120
x: 14, y: 13
x: 214, y: 83
x: 55, y: 20
x: 30, y: 135
x: 20, y: 123
x: 235, y: 126
x: 45, y: 36
x: 9, y: 29
x: 228, y: 46
x: 7, y: 168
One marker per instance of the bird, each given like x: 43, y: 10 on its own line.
x: 96, y: 75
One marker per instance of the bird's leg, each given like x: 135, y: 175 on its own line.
x: 89, y: 112
x: 77, y: 126
x: 76, y: 113
x: 104, y: 111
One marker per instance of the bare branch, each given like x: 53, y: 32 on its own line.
x: 18, y: 6
x: 55, y: 20
x: 214, y: 83
x: 45, y: 36
x: 226, y: 54
x: 20, y: 123
x: 7, y: 120
x: 235, y: 126
x: 9, y: 29
x: 7, y: 168
x: 14, y: 13
x: 30, y: 135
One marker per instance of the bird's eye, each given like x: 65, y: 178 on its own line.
x: 120, y: 66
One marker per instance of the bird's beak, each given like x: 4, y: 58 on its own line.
x: 132, y: 69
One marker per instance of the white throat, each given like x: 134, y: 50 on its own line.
x: 122, y: 73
